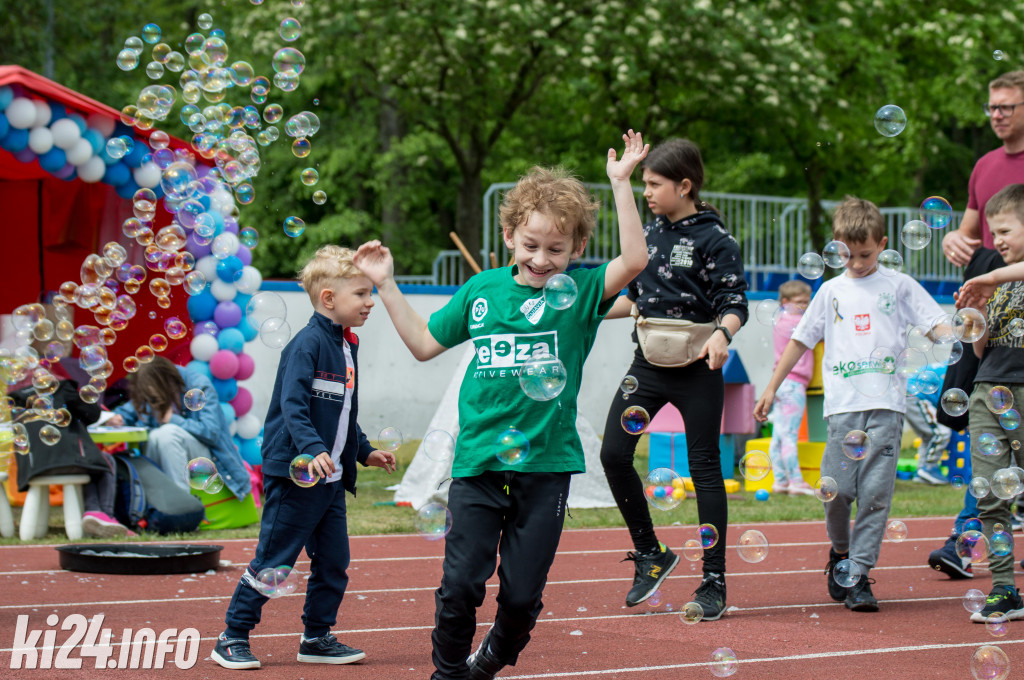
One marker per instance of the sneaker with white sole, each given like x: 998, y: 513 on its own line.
x: 651, y: 569
x: 710, y: 595
x: 1002, y: 599
x: 780, y: 487
x: 800, y: 488
x: 101, y: 525
x: 932, y: 474
x: 327, y: 649
x: 234, y: 653
x: 946, y: 560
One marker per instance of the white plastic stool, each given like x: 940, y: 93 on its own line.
x: 6, y: 518
x: 35, y: 516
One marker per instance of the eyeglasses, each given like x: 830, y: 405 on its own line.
x: 1005, y: 110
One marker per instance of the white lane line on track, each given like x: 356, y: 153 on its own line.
x: 376, y: 591
x: 762, y: 660
x: 607, y: 617
x: 806, y: 544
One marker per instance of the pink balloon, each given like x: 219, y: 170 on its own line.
x: 242, y: 402
x: 246, y: 367
x: 224, y: 364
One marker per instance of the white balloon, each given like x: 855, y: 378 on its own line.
x: 249, y: 281
x: 40, y: 140
x: 222, y: 290
x: 207, y: 266
x: 65, y: 133
x: 92, y: 170
x: 248, y: 426
x: 80, y: 152
x: 44, y: 114
x: 147, y: 175
x: 100, y: 123
x: 203, y: 347
x: 225, y: 245
x: 21, y: 113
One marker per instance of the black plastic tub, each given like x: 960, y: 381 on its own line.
x: 128, y: 558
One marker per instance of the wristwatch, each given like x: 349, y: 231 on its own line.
x: 726, y: 333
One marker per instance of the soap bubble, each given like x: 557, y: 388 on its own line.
x: 389, y: 439
x: 752, y: 546
x: 810, y: 266
x: 978, y: 487
x: 319, y: 197
x: 999, y: 399
x: 301, y: 473
x: 691, y: 613
x: 896, y: 531
x: 988, y: 444
x: 635, y: 420
x: 765, y: 311
x: 664, y: 488
x: 265, y: 305
x: 998, y: 55
x: 972, y: 545
x: 49, y: 435
x: 151, y: 33
x: 289, y: 61
x: 974, y: 600
x: 1001, y: 543
x: 954, y: 401
x: 856, y: 444
x: 512, y: 447
x: 826, y: 489
x: 294, y: 226
x: 835, y: 254
x: 723, y: 662
x: 936, y: 212
x: 629, y: 385
x: 433, y: 521
x: 542, y: 377
x: 890, y: 261
x: 273, y: 582
x: 200, y: 471
x: 195, y: 399
x: 890, y: 120
x: 1010, y: 420
x: 290, y: 29
x: 846, y: 573
x: 915, y: 235
x: 275, y: 333
x: 755, y: 465
x: 438, y: 446
x: 968, y: 324
x: 310, y: 176
x: 692, y: 550
x: 708, y: 536
x: 990, y: 663
x: 560, y: 291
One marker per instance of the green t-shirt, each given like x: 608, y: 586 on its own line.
x: 507, y: 323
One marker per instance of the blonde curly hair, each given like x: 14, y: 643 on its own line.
x: 556, y: 193
x: 328, y: 264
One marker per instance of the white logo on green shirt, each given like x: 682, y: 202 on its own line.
x: 533, y: 309
x: 479, y: 308
x: 508, y: 350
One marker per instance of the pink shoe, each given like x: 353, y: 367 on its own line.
x: 800, y: 488
x: 101, y: 525
x: 780, y: 487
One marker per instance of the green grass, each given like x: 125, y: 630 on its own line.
x: 911, y: 500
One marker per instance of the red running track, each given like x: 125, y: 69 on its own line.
x: 780, y: 623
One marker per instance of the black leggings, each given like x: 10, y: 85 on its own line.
x: 699, y: 394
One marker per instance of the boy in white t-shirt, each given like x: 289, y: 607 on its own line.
x: 862, y: 317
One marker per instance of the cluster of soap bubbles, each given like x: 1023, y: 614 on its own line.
x: 274, y: 582
x: 203, y: 476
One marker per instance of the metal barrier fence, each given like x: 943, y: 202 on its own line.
x: 771, y: 230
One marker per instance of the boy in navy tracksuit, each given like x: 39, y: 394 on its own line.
x: 312, y: 411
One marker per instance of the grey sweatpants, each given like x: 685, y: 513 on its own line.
x: 991, y: 508
x: 870, y: 482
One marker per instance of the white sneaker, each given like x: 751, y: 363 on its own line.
x: 780, y: 487
x: 799, y: 487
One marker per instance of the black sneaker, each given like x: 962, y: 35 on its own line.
x: 835, y: 591
x: 651, y: 570
x: 234, y: 653
x: 327, y: 649
x: 1003, y: 599
x: 948, y: 562
x: 483, y: 664
x: 859, y: 597
x: 710, y: 595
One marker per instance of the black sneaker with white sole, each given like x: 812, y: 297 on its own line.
x: 328, y: 650
x: 835, y: 591
x: 651, y: 569
x: 1003, y: 599
x: 483, y: 663
x: 710, y: 595
x: 234, y: 653
x: 859, y: 597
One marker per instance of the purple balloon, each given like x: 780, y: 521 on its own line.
x: 197, y: 249
x: 245, y: 255
x: 65, y: 172
x: 231, y: 224
x: 26, y: 155
x: 227, y: 314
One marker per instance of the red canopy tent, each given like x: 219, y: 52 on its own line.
x: 51, y: 225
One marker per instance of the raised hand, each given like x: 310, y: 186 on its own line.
x: 375, y: 261
x: 634, y: 152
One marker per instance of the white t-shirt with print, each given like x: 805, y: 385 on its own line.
x: 346, y: 412
x: 864, y: 323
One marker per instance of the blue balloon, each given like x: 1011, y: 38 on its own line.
x: 205, y: 201
x: 218, y: 221
x: 248, y: 332
x: 232, y: 339
x: 200, y: 307
x: 227, y: 411
x: 226, y: 389
x: 4, y: 125
x: 200, y: 367
x: 228, y: 268
x: 6, y: 96
x: 79, y: 121
x: 57, y: 111
x: 15, y: 140
x: 134, y: 157
x: 53, y: 160
x: 128, y: 189
x: 250, y: 450
x: 117, y: 174
x: 96, y: 141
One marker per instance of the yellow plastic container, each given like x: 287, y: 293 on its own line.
x: 809, y: 454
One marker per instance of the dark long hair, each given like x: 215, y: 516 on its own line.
x: 679, y: 159
x: 156, y: 386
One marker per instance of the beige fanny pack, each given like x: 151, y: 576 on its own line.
x: 671, y: 343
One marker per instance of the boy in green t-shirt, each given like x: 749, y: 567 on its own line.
x: 517, y: 444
